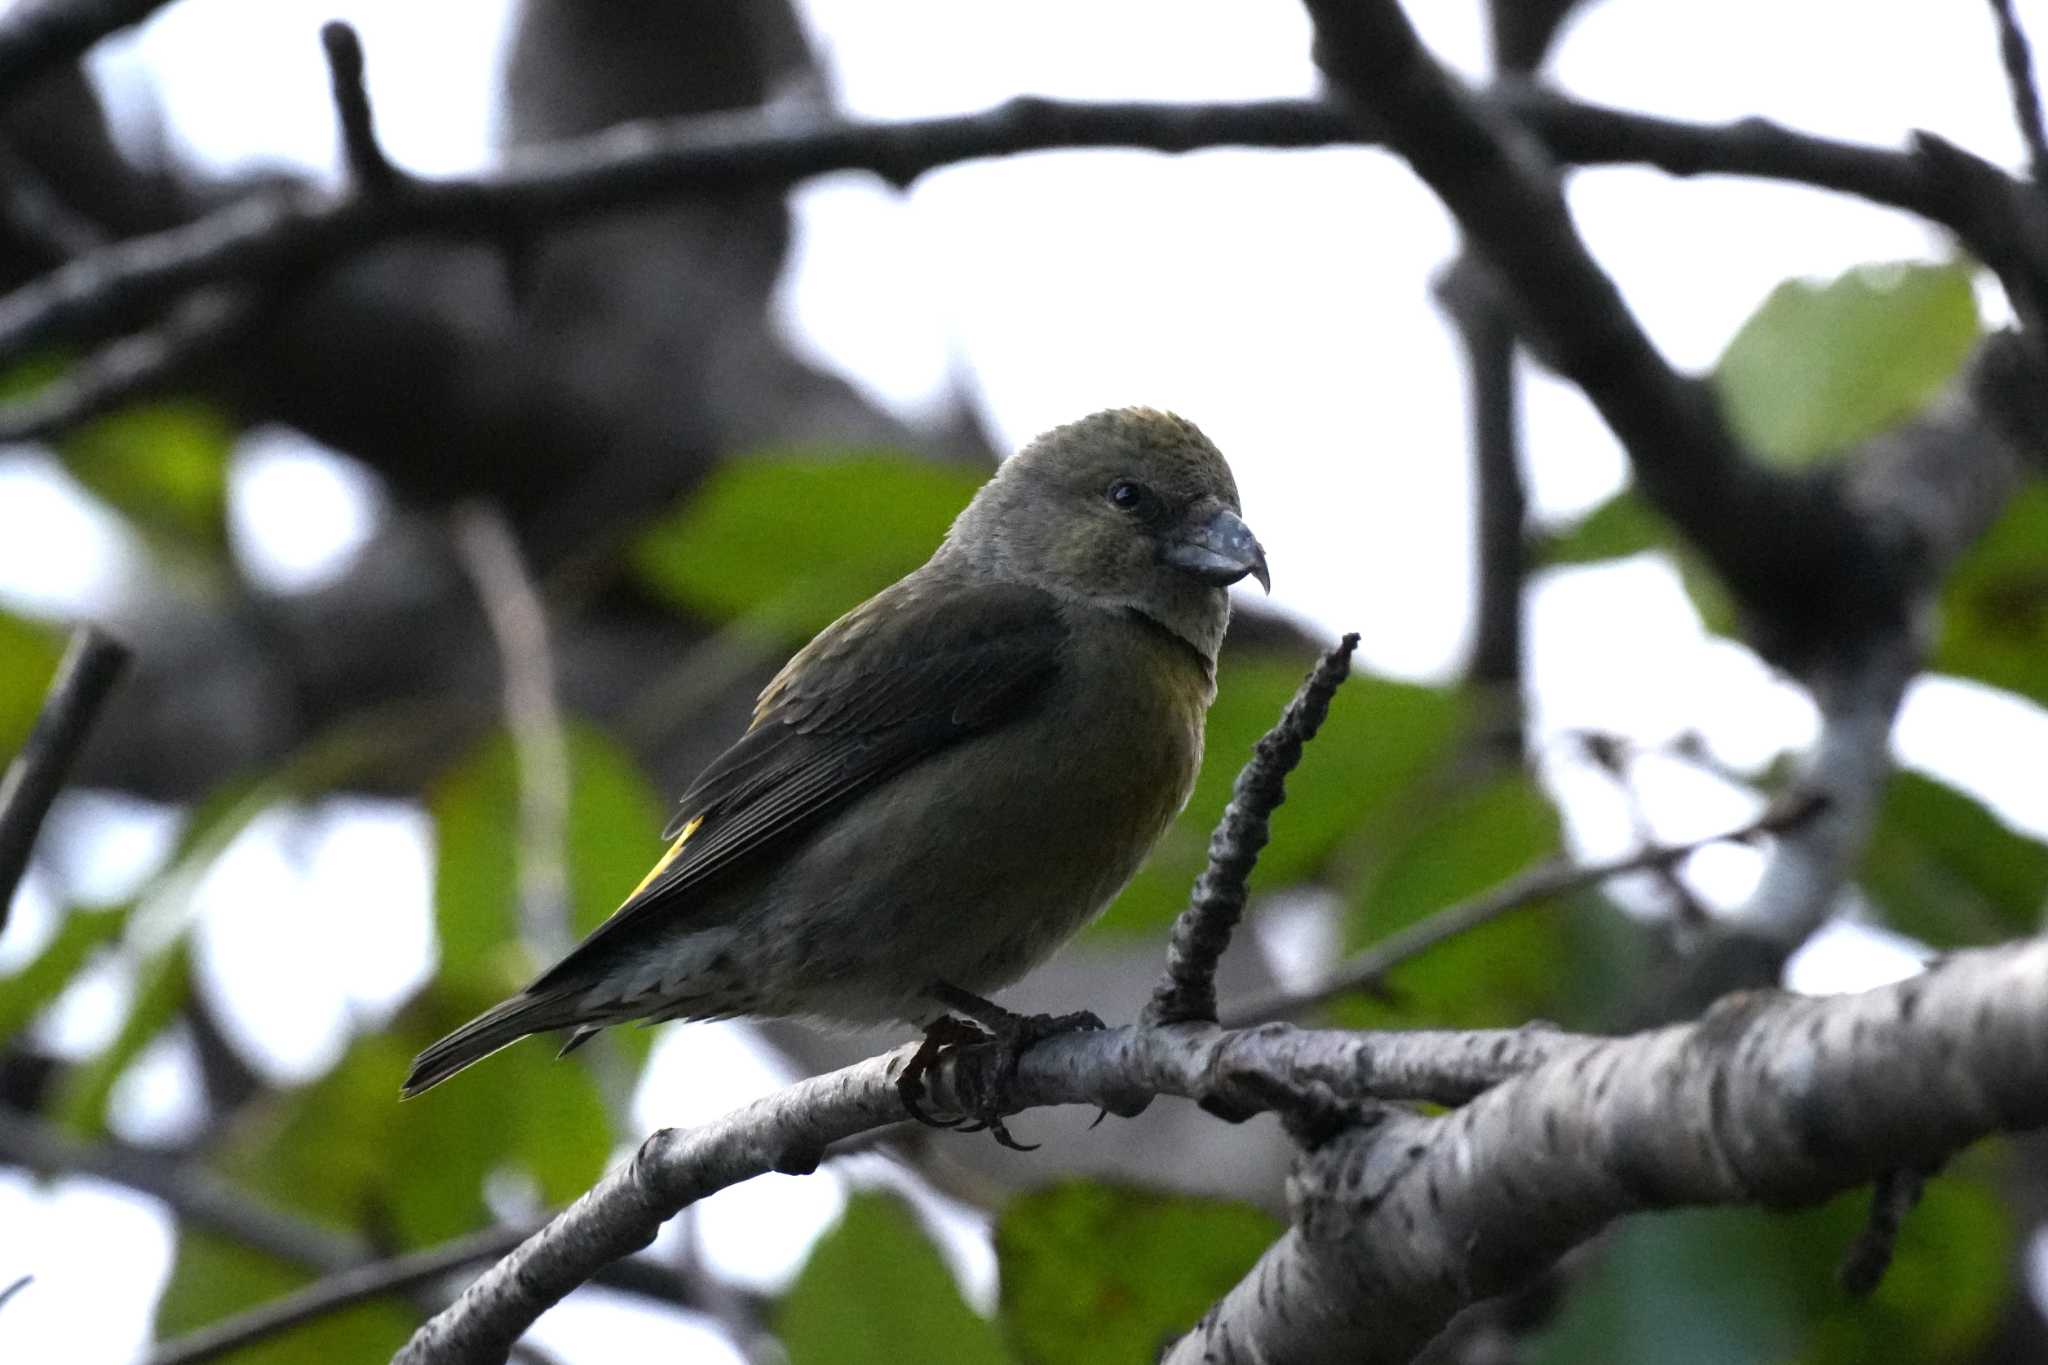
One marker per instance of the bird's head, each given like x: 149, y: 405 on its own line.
x: 1130, y: 509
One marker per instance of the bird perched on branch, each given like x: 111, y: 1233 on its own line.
x: 951, y: 779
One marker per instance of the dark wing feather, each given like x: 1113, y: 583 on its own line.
x: 912, y: 670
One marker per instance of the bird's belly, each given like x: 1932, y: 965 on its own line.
x: 976, y: 889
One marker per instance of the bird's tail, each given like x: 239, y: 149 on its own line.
x: 524, y: 1014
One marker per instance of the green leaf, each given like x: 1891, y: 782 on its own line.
x: 1380, y: 736
x: 1820, y: 367
x: 28, y: 661
x: 43, y: 979
x: 164, y: 465
x: 875, y: 1290
x: 1627, y: 525
x: 1104, y: 1273
x: 1948, y: 871
x: 614, y: 830
x: 1732, y: 1286
x: 1452, y: 848
x: 1994, y: 607
x: 800, y: 539
x: 346, y: 1153
x: 1702, y: 1287
x: 163, y: 982
x: 1623, y: 525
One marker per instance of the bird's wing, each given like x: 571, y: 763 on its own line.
x: 900, y: 677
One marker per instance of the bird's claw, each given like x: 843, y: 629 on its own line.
x: 942, y: 1034
x: 1000, y: 1041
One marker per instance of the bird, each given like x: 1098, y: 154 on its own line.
x: 950, y: 780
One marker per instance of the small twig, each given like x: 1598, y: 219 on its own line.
x: 11, y: 1290
x: 197, y: 1196
x: 2026, y: 95
x: 91, y: 664
x: 1893, y: 1195
x: 339, y: 1291
x: 1544, y: 882
x: 38, y: 35
x: 38, y: 214
x: 129, y: 368
x: 1187, y: 990
x: 371, y: 170
x: 512, y: 605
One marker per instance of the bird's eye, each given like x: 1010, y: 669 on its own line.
x: 1126, y: 496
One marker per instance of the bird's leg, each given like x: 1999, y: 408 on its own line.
x: 1011, y: 1035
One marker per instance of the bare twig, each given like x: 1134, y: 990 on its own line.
x: 39, y: 216
x: 130, y: 368
x: 191, y: 1192
x: 1187, y: 990
x: 11, y: 1290
x: 518, y: 621
x: 38, y: 35
x: 1544, y: 882
x: 2026, y: 95
x: 1893, y: 1195
x: 91, y: 665
x: 371, y: 169
x: 336, y: 1292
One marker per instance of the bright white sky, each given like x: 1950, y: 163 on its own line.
x: 1282, y: 301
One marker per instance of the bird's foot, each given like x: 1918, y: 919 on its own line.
x: 944, y: 1034
x: 998, y: 1045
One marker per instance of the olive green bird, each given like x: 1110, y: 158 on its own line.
x: 952, y: 778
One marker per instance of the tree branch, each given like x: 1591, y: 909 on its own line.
x: 133, y: 367
x: 788, y: 1131
x: 91, y: 665
x: 1772, y: 1098
x: 1187, y: 990
x: 1546, y: 881
x: 370, y: 169
x: 37, y: 35
x: 344, y: 1289
x: 1486, y: 332
x: 194, y: 1194
x: 296, y: 229
x: 1786, y: 548
x: 2026, y: 95
x: 1769, y: 1099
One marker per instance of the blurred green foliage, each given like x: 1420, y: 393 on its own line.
x: 1820, y: 367
x: 28, y: 658
x: 1994, y: 605
x: 798, y: 539
x: 164, y: 467
x: 1100, y: 1274
x: 1382, y: 738
x: 1739, y: 1286
x: 876, y: 1292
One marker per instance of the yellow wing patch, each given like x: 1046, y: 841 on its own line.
x: 674, y: 850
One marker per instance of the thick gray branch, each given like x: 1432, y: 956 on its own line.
x: 790, y: 1130
x: 1769, y: 1099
